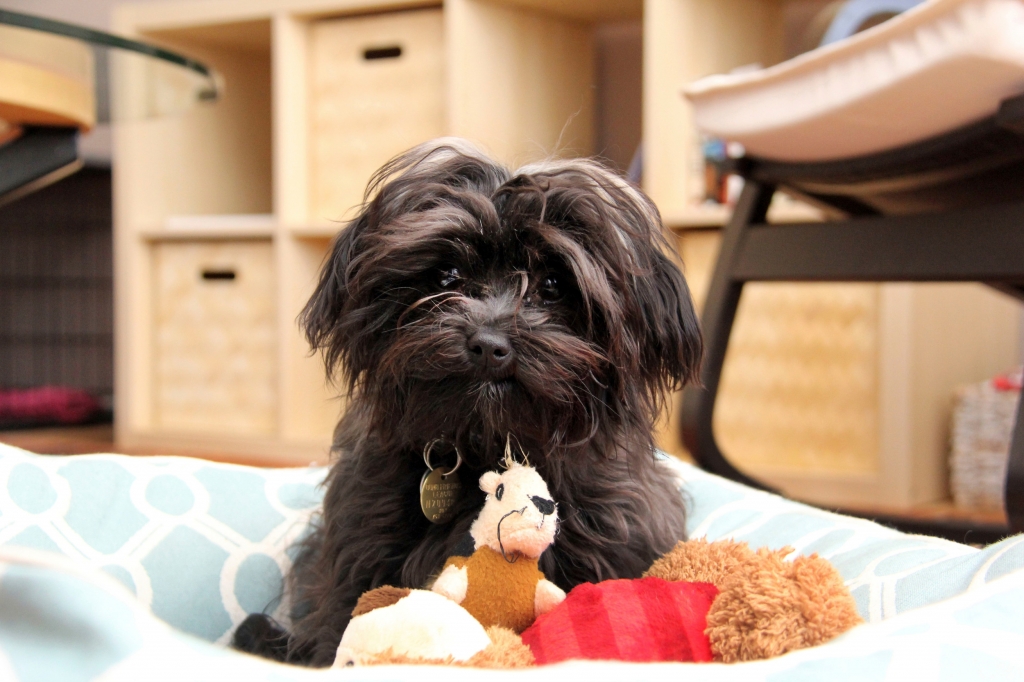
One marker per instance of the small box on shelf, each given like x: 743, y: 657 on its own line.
x: 983, y: 418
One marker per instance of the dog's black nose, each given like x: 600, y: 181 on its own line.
x: 546, y: 507
x: 490, y: 349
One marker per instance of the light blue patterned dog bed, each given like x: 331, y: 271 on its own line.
x: 199, y: 545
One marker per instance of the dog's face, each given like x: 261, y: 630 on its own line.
x: 469, y: 302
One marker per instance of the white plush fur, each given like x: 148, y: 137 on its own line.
x: 421, y: 624
x: 452, y: 583
x: 548, y: 596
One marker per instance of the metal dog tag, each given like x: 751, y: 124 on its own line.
x: 439, y: 493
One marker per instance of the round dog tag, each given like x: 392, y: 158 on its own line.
x: 440, y: 490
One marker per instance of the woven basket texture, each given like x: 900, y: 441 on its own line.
x: 799, y: 389
x: 983, y: 420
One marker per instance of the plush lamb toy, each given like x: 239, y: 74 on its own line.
x: 500, y: 584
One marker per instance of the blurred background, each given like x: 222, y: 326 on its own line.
x: 148, y: 301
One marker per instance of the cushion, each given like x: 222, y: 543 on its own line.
x: 934, y: 68
x: 201, y: 544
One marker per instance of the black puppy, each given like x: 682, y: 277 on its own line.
x: 487, y: 307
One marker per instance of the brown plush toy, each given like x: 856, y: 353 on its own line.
x: 766, y: 606
x: 500, y: 584
x: 700, y: 602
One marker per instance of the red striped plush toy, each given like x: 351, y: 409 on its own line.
x: 627, y: 620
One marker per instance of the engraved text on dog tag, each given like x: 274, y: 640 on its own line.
x: 439, y: 492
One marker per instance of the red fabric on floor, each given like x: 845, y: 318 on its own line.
x: 47, y: 403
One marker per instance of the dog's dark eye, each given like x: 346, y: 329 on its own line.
x: 550, y: 289
x: 450, y: 278
x: 500, y: 491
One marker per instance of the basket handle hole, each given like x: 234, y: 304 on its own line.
x: 218, y: 275
x: 388, y: 52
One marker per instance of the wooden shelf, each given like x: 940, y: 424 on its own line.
x: 583, y: 10
x: 287, y: 151
x: 315, y: 231
x: 251, y: 451
x: 99, y: 438
x: 202, y: 227
x: 702, y: 215
x: 937, y: 511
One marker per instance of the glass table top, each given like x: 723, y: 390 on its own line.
x: 55, y: 73
x: 59, y: 79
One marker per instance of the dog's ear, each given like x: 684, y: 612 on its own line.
x: 325, y: 319
x: 664, y: 343
x: 671, y: 341
x: 632, y: 277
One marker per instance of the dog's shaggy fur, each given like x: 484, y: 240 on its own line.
x: 487, y: 307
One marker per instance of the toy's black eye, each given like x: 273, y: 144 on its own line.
x: 500, y: 491
x: 550, y: 288
x: 450, y: 278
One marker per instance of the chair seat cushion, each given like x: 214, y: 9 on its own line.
x: 939, y: 66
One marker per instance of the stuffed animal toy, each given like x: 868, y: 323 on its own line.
x: 702, y: 601
x: 398, y: 625
x: 500, y: 584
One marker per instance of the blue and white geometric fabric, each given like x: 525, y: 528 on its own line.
x: 201, y: 544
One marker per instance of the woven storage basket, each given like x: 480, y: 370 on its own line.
x: 799, y: 388
x: 983, y: 420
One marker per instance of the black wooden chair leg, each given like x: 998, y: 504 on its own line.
x: 717, y: 320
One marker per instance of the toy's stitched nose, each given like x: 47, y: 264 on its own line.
x: 490, y: 349
x: 546, y: 507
